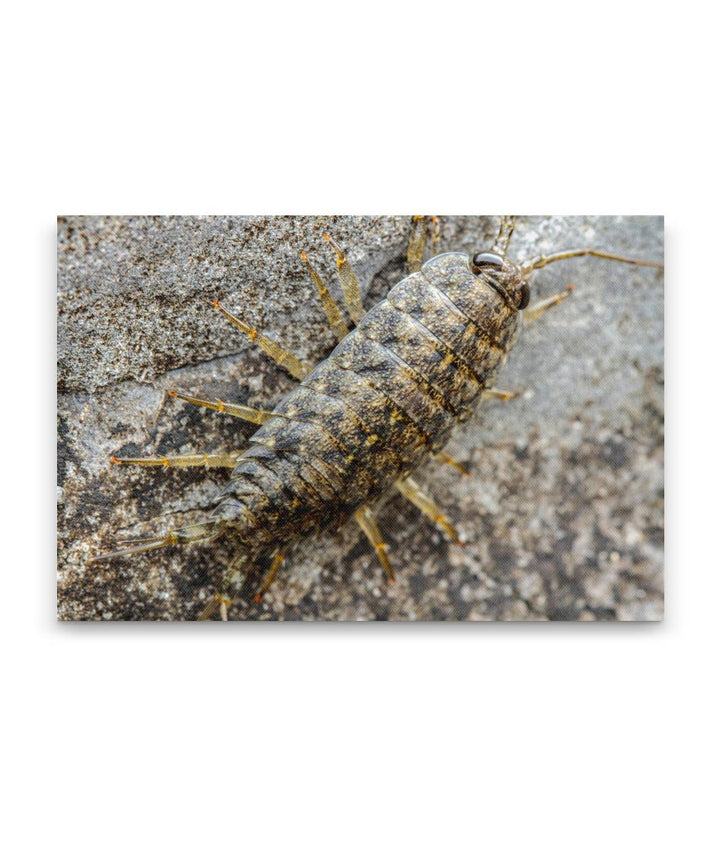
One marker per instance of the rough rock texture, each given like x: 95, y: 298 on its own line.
x: 562, y: 512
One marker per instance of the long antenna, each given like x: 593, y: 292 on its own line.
x: 541, y: 261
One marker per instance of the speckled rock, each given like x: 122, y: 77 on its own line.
x: 562, y: 512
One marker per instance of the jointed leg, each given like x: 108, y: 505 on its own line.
x: 242, y: 411
x: 348, y: 282
x: 234, y: 576
x: 295, y: 366
x: 275, y: 565
x: 499, y: 394
x: 532, y: 313
x: 444, y: 458
x: 334, y: 317
x: 217, y: 602
x: 435, y: 235
x: 367, y: 522
x: 416, y: 244
x: 227, y: 461
x: 502, y: 241
x: 411, y: 490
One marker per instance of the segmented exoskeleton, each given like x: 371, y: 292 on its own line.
x: 386, y: 398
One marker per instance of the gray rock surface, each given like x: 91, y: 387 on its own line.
x: 562, y: 512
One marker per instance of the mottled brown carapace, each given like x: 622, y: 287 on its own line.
x: 386, y: 398
x: 389, y: 394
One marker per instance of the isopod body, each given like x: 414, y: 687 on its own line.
x: 387, y: 396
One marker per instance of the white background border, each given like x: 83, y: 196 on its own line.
x: 355, y: 739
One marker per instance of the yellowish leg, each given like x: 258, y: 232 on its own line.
x: 435, y: 235
x: 348, y: 282
x: 416, y: 244
x: 295, y: 366
x: 275, y: 565
x: 228, y: 461
x: 209, y: 608
x: 411, y: 490
x: 502, y: 240
x: 532, y: 313
x: 498, y: 394
x: 332, y: 311
x: 249, y: 414
x: 367, y: 522
x: 234, y: 575
x: 444, y: 458
x: 216, y: 602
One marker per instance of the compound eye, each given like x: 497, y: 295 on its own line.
x: 481, y: 260
x: 524, y: 296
